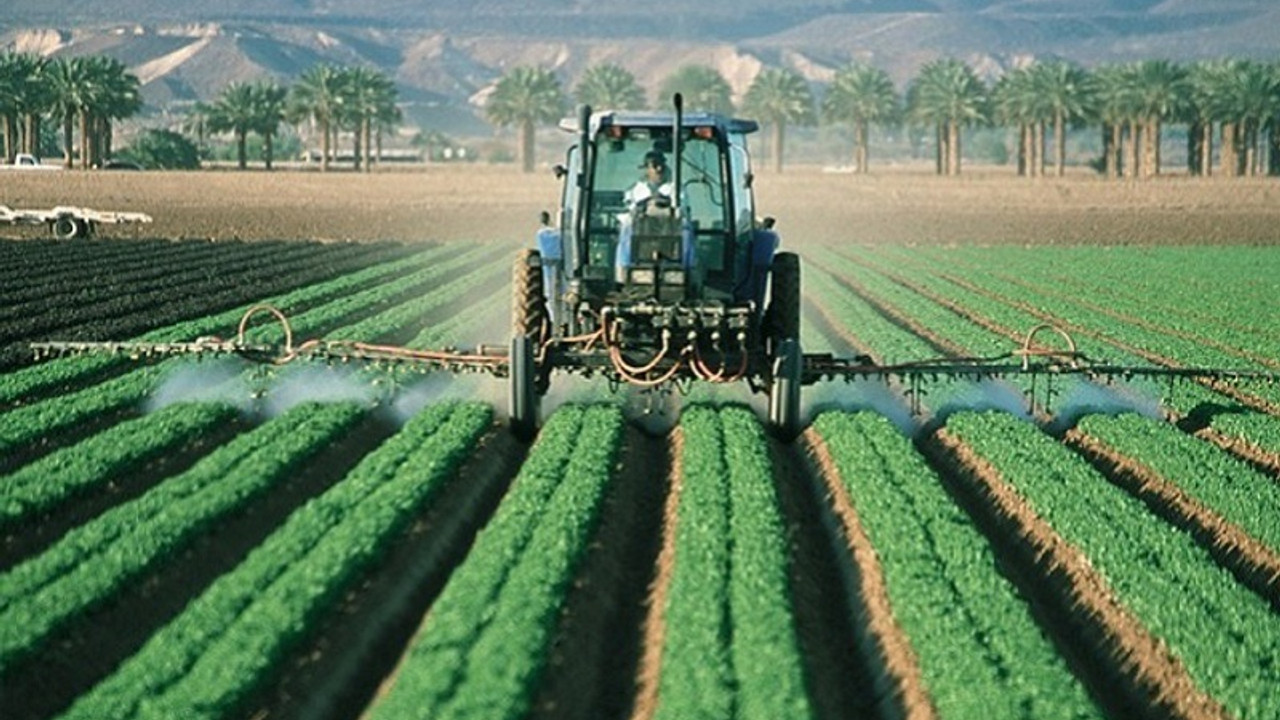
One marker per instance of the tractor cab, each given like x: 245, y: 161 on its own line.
x: 664, y: 278
x: 630, y: 235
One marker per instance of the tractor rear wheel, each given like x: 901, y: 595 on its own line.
x: 528, y: 302
x: 784, y: 299
x: 67, y: 227
x: 528, y: 322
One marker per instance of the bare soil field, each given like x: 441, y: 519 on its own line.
x: 490, y: 203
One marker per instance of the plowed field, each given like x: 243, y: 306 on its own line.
x: 183, y: 538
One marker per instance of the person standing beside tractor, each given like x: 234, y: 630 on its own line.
x: 552, y: 251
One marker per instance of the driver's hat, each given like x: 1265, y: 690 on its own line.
x: 655, y: 159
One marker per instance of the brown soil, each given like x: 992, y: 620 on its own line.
x: 591, y: 674
x: 482, y: 203
x: 899, y: 681
x: 1252, y: 562
x: 1129, y: 670
x: 655, y: 627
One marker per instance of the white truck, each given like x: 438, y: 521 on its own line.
x: 23, y: 161
x: 66, y: 222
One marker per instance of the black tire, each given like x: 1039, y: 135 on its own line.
x: 528, y: 323
x: 524, y: 398
x: 784, y: 298
x: 528, y: 302
x: 67, y: 228
x: 784, y: 391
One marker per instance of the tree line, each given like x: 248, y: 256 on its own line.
x: 1228, y: 105
x: 87, y: 94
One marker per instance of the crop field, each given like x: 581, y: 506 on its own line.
x: 184, y: 538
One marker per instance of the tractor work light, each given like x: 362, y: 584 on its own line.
x: 641, y: 276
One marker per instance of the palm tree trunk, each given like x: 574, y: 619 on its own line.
x: 268, y: 150
x: 31, y: 134
x: 1037, y: 152
x: 1206, y: 149
x: 68, y: 147
x: 779, y: 130
x: 953, y: 148
x: 324, y: 145
x: 859, y: 147
x: 1060, y: 143
x: 367, y: 130
x: 84, y: 139
x: 8, y: 138
x: 941, y: 153
x: 1273, y: 164
x: 1151, y: 148
x: 525, y: 143
x: 1131, y: 151
x: 1250, y: 147
x: 241, y: 149
x: 1230, y: 155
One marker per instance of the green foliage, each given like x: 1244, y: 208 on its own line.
x: 730, y: 649
x: 703, y: 88
x: 980, y: 651
x: 487, y: 639
x: 610, y: 86
x: 95, y: 560
x: 1226, y: 636
x: 162, y: 150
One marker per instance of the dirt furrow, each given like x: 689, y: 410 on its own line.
x: 597, y: 650
x: 1129, y: 671
x: 855, y: 664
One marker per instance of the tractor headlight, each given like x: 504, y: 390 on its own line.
x: 673, y: 277
x: 642, y: 276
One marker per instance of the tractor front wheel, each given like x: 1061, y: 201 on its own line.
x: 783, y: 316
x: 67, y: 227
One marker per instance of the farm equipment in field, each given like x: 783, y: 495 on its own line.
x: 67, y: 223
x: 660, y: 283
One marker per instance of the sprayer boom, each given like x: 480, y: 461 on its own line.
x: 590, y: 355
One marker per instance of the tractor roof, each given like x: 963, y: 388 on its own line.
x: 632, y: 118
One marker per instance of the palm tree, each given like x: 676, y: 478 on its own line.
x: 119, y: 97
x: 1015, y: 103
x: 523, y: 97
x: 1116, y: 106
x: 318, y: 96
x: 368, y: 99
x: 24, y: 98
x: 236, y: 111
x: 861, y: 95
x: 1160, y: 87
x: 1063, y: 91
x: 610, y: 86
x: 702, y: 87
x: 268, y: 100
x: 1206, y: 88
x: 948, y: 95
x: 778, y: 96
x: 69, y: 84
x: 1251, y: 101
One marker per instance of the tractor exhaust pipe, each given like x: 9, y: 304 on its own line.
x: 676, y: 147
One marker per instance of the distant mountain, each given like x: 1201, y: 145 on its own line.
x: 444, y: 55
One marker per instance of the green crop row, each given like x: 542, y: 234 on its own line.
x: 486, y: 639
x: 210, y: 658
x: 95, y: 560
x: 23, y: 425
x: 1224, y: 484
x: 54, y: 373
x: 1227, y: 637
x: 730, y: 646
x: 999, y: 301
x: 979, y: 649
x: 108, y: 455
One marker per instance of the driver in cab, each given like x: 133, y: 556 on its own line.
x: 652, y: 192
